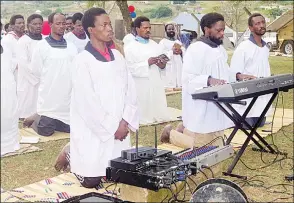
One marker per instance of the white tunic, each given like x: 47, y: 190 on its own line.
x: 172, y: 74
x: 9, y: 114
x: 128, y: 38
x: 11, y: 39
x: 200, y: 62
x: 251, y: 59
x: 27, y: 86
x: 150, y: 87
x: 52, y: 66
x: 103, y: 94
x: 79, y: 43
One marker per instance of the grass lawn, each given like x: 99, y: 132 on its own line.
x: 25, y: 169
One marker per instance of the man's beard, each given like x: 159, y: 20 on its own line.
x: 215, y: 40
x: 171, y: 34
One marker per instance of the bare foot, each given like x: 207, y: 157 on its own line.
x: 62, y: 163
x: 29, y: 120
x: 180, y: 128
x: 164, y: 138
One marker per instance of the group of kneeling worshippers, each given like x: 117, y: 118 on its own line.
x: 81, y: 83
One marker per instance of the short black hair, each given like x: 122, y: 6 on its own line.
x: 6, y: 26
x: 252, y: 16
x: 69, y: 18
x: 77, y: 16
x: 13, y: 19
x: 89, y: 18
x: 139, y: 20
x: 209, y: 19
x: 34, y: 16
x: 51, y: 16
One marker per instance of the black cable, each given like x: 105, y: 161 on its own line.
x: 203, y: 173
x: 207, y: 167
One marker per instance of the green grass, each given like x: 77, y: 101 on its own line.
x: 25, y: 169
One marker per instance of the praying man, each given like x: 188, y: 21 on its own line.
x: 27, y: 86
x: 51, y: 64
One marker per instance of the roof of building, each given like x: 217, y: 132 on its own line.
x: 280, y: 22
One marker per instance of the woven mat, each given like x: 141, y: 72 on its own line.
x: 24, y: 149
x: 56, y: 189
x: 29, y: 132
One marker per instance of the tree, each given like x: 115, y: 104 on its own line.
x: 124, y: 9
x: 161, y: 12
x: 275, y: 12
x: 234, y: 14
x: 100, y: 4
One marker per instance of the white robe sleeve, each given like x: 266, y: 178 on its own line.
x: 238, y: 61
x: 192, y: 77
x: 37, y: 61
x: 24, y: 63
x: 136, y: 67
x: 130, y: 113
x: 88, y: 103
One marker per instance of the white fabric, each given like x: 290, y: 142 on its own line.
x: 172, y: 74
x: 150, y: 88
x: 200, y: 62
x: 103, y: 94
x: 251, y: 59
x: 128, y: 38
x: 11, y: 39
x: 27, y: 86
x: 9, y: 116
x: 79, y: 43
x: 52, y: 66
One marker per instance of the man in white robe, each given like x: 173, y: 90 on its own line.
x: 27, y: 86
x: 69, y: 25
x: 173, y: 48
x: 78, y: 36
x: 9, y: 114
x: 17, y: 24
x: 103, y: 104
x: 51, y: 63
x: 252, y: 57
x: 205, y: 64
x: 144, y: 61
x: 130, y: 36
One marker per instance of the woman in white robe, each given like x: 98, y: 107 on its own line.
x: 9, y: 113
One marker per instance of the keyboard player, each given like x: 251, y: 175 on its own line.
x: 204, y: 64
x: 252, y: 57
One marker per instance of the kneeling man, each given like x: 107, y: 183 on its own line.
x: 103, y: 104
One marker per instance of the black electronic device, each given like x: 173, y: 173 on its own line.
x: 159, y: 172
x: 143, y: 152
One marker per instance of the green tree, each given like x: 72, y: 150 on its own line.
x: 161, y: 12
x: 275, y: 12
x: 58, y: 10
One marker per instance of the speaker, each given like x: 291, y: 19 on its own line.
x: 93, y: 197
x: 218, y: 190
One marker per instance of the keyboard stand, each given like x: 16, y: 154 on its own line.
x: 239, y: 121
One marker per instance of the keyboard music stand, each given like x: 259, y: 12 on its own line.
x: 238, y: 121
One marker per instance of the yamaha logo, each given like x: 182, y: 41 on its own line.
x: 241, y: 90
